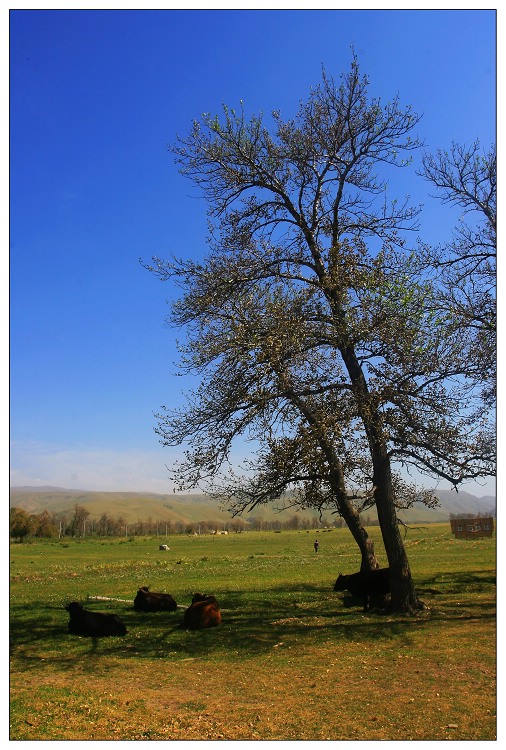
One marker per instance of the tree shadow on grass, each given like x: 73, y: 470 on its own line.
x: 458, y: 583
x: 254, y: 623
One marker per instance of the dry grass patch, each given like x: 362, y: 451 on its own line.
x: 398, y: 688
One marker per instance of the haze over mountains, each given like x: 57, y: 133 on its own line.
x: 192, y: 508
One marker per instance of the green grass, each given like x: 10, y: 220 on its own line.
x: 292, y: 660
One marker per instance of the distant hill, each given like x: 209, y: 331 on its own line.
x: 192, y: 508
x: 463, y: 502
x: 132, y: 506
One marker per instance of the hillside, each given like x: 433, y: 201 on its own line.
x: 192, y: 508
x: 132, y: 506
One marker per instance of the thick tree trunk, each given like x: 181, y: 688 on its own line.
x: 350, y: 515
x: 404, y: 597
x: 365, y: 543
x: 346, y: 508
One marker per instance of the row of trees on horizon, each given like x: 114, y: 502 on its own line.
x: 80, y: 524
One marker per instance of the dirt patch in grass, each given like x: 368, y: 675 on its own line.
x: 293, y: 692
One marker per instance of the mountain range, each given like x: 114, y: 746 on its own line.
x: 192, y: 508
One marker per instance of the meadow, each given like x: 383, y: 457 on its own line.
x: 292, y: 660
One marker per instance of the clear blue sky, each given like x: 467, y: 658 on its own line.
x: 96, y: 97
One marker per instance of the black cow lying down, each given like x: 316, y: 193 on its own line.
x: 367, y: 585
x: 93, y: 624
x: 150, y: 601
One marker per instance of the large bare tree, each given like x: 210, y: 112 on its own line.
x: 312, y: 328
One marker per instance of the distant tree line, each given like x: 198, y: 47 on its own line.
x: 80, y: 524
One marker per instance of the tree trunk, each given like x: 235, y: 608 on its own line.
x: 346, y: 509
x: 365, y: 543
x: 404, y: 597
x: 352, y: 520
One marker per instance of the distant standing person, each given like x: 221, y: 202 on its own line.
x: 316, y: 545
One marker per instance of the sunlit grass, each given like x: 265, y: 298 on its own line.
x: 292, y: 660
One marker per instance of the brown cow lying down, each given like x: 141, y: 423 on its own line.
x: 204, y: 612
x: 150, y: 601
x: 93, y: 624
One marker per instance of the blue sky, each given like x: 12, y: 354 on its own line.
x: 96, y: 98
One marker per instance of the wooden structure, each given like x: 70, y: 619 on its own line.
x: 471, y: 527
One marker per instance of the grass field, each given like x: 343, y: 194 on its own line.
x: 292, y: 660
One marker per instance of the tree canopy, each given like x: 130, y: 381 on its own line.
x: 465, y: 268
x: 315, y: 330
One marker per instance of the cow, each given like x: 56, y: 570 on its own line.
x: 204, y: 598
x: 163, y: 547
x: 93, y: 624
x: 204, y: 612
x: 366, y: 585
x: 149, y: 601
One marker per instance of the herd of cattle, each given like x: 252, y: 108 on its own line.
x: 204, y: 612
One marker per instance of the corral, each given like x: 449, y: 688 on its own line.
x: 292, y: 660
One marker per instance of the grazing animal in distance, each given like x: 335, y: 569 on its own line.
x: 204, y: 612
x: 366, y: 585
x: 150, y: 601
x: 93, y: 624
x: 163, y: 547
